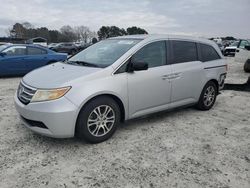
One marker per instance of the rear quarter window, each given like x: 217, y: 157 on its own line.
x: 36, y: 51
x: 208, y: 53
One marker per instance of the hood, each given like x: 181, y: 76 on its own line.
x: 57, y: 75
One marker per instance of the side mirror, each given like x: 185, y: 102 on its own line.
x: 3, y: 54
x: 137, y: 66
x: 247, y: 47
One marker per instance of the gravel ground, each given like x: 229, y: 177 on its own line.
x: 183, y: 148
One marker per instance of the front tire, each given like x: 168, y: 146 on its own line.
x: 98, y: 120
x: 208, y: 96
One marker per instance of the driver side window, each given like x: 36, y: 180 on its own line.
x: 154, y: 54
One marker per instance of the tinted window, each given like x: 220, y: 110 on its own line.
x: 15, y: 50
x: 35, y: 51
x: 154, y: 54
x: 184, y: 51
x: 243, y: 43
x: 208, y: 53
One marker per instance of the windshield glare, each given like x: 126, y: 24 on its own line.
x: 104, y: 53
x: 235, y: 43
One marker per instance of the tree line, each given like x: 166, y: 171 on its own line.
x: 68, y: 33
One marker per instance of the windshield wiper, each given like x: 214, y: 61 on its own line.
x: 82, y: 63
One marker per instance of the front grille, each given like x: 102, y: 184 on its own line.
x: 25, y: 93
x: 33, y: 123
x: 230, y: 50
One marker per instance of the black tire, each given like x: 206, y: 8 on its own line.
x: 247, y: 66
x: 83, y: 131
x: 204, y: 104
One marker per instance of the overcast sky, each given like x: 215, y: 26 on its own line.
x: 190, y: 17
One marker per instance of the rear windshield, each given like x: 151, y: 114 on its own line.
x: 104, y: 53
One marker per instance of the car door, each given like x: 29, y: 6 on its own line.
x: 149, y: 90
x: 242, y: 54
x: 188, y: 73
x: 36, y: 57
x: 13, y: 62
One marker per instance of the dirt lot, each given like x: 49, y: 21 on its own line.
x: 183, y: 148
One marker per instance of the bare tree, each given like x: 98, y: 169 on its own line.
x: 84, y: 34
x: 27, y: 25
x: 9, y: 32
x: 69, y: 33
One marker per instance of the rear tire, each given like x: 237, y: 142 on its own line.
x: 98, y: 120
x: 247, y: 66
x: 208, y: 96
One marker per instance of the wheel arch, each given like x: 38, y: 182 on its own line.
x: 216, y: 83
x: 114, y: 97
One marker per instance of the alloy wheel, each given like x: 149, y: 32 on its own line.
x: 209, y: 96
x: 101, y: 120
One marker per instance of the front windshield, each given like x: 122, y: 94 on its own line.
x: 235, y: 43
x: 104, y: 53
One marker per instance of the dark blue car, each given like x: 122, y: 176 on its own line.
x: 21, y: 58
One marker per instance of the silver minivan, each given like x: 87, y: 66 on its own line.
x: 119, y: 79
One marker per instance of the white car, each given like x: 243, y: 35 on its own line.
x: 120, y: 79
x: 230, y: 50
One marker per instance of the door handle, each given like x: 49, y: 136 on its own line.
x: 176, y: 75
x: 165, y: 77
x: 171, y: 76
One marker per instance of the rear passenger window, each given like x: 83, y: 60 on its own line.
x: 184, y: 51
x: 35, y: 51
x: 208, y: 53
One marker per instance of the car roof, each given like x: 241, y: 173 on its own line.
x: 164, y: 36
x: 32, y: 45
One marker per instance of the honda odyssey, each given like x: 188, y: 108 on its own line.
x: 117, y: 79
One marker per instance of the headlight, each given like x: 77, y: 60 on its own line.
x: 50, y: 94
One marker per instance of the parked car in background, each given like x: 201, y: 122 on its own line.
x: 4, y: 43
x: 119, y: 79
x: 51, y: 45
x: 222, y: 48
x: 230, y: 50
x: 84, y: 46
x: 242, y: 53
x: 21, y: 59
x: 66, y: 47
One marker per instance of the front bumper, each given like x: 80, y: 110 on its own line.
x: 229, y: 52
x: 58, y: 117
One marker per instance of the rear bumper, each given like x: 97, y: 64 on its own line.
x: 222, y: 81
x: 53, y: 118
